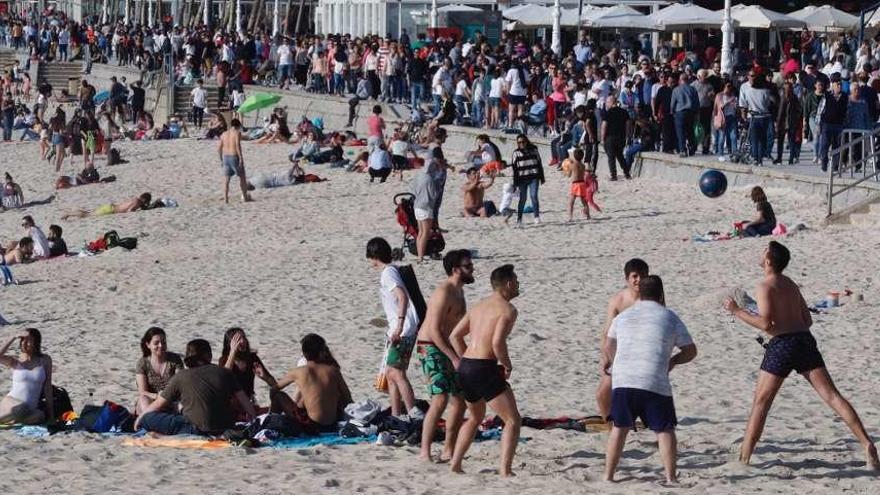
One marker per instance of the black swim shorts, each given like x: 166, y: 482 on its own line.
x: 481, y: 379
x: 793, y: 351
x: 657, y: 411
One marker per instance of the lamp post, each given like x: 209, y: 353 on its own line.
x: 726, y: 40
x: 556, y: 43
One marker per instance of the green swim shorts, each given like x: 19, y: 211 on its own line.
x: 438, y: 371
x: 400, y: 353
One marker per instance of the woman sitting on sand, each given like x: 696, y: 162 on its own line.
x: 216, y: 126
x: 12, y: 194
x: 155, y: 368
x: 765, y: 220
x: 31, y: 380
x: 141, y: 202
x: 238, y: 357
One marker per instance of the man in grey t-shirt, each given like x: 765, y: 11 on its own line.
x: 641, y: 340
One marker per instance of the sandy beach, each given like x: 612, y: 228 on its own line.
x: 292, y: 262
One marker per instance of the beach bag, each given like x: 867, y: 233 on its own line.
x: 381, y: 383
x: 111, y: 239
x: 112, y: 417
x: 60, y: 402
x: 127, y: 243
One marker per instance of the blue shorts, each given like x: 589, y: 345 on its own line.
x: 794, y: 351
x: 656, y: 411
x: 231, y: 165
x: 494, y: 102
x: 516, y: 100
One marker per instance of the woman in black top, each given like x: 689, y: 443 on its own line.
x: 765, y: 221
x: 527, y: 173
x: 238, y: 357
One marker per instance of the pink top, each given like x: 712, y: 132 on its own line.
x: 375, y: 125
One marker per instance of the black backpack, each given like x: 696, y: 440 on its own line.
x: 60, y: 402
x: 412, y: 289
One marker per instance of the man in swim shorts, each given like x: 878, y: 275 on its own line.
x: 232, y: 159
x: 403, y: 328
x: 783, y: 314
x: 446, y: 307
x: 483, y: 380
x: 634, y: 270
x: 474, y: 190
x: 641, y: 341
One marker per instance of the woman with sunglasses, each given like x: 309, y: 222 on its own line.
x: 528, y: 172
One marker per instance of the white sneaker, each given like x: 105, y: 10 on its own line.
x: 416, y: 414
x: 537, y: 220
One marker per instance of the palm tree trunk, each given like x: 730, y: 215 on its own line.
x: 254, y: 15
x: 198, y: 17
x: 299, y: 13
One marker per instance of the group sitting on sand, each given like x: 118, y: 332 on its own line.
x: 194, y: 396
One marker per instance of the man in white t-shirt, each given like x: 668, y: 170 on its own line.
x: 285, y: 62
x: 199, y: 103
x: 403, y: 328
x: 642, y: 339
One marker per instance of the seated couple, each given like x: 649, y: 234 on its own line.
x: 22, y: 251
x: 141, y: 202
x: 210, y: 395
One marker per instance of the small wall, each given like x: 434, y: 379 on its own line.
x: 334, y: 111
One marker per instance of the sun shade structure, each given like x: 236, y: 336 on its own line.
x: 258, y: 102
x: 826, y: 18
x: 679, y: 17
x: 757, y: 17
x: 618, y: 17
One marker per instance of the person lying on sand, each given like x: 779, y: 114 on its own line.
x: 141, y: 202
x: 322, y: 393
x: 19, y: 252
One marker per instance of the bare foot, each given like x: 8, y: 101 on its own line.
x: 425, y: 457
x: 456, y: 470
x: 507, y: 474
x: 871, y: 457
x: 247, y: 198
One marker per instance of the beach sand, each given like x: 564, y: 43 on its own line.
x: 292, y: 262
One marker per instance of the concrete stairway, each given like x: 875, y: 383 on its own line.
x: 59, y: 74
x: 182, y: 98
x: 7, y: 59
x: 867, y: 217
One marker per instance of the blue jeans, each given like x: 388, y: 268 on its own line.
x: 168, y: 424
x: 338, y: 84
x: 771, y: 136
x: 477, y: 112
x: 438, y: 104
x: 460, y: 103
x: 726, y: 136
x: 532, y: 190
x: 417, y: 93
x: 830, y: 138
x: 758, y: 137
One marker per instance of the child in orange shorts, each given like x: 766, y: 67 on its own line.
x: 583, y: 184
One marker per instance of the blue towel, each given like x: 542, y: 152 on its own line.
x: 322, y: 439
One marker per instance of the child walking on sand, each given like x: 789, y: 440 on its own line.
x: 583, y: 183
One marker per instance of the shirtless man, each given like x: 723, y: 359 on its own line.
x: 322, y: 393
x: 634, y: 270
x: 481, y: 377
x: 136, y: 203
x: 474, y: 190
x: 232, y: 160
x: 438, y: 358
x: 783, y: 314
x: 21, y: 253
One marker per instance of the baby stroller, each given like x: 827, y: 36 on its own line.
x: 406, y: 217
x: 743, y: 153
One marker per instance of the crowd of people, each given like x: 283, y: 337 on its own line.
x: 586, y: 98
x: 676, y: 100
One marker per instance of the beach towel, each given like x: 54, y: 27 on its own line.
x: 322, y: 439
x: 713, y: 236
x: 177, y: 443
x: 590, y: 424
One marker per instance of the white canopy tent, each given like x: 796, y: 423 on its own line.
x: 757, y: 17
x: 679, y: 17
x: 619, y: 17
x: 531, y: 16
x: 457, y: 8
x: 826, y: 18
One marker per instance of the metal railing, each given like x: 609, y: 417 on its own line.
x: 858, y: 155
